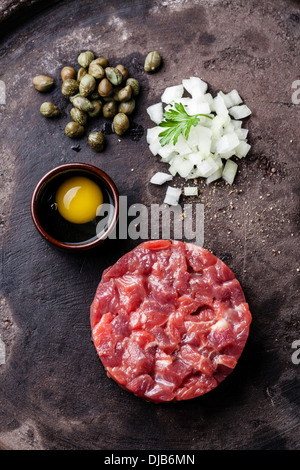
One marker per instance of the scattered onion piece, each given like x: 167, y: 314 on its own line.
x: 190, y: 191
x: 172, y: 196
x: 160, y: 178
x: 229, y: 171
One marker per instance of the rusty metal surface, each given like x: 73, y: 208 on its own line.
x: 54, y: 393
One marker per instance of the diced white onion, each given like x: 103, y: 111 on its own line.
x: 210, y: 144
x: 242, y: 149
x: 227, y: 143
x: 172, y: 93
x: 219, y: 105
x: 172, y: 196
x: 190, y: 191
x: 160, y: 178
x: 240, y: 112
x: 215, y: 176
x: 229, y: 171
x: 195, y: 86
x: 152, y: 134
x: 155, y: 112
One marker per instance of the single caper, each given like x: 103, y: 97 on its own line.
x: 127, y: 107
x: 96, y: 140
x: 81, y: 73
x: 69, y: 87
x: 124, y: 71
x: 85, y: 58
x: 125, y: 93
x: 68, y: 72
x: 102, y: 61
x: 110, y: 109
x: 152, y: 61
x: 105, y: 88
x: 135, y: 85
x: 120, y: 123
x: 71, y: 98
x: 114, y: 75
x: 49, y: 110
x: 74, y: 130
x: 43, y: 83
x: 97, y: 108
x: 79, y: 116
x: 82, y: 103
x: 87, y: 85
x: 96, y: 69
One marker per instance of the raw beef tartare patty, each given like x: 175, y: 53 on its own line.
x: 169, y: 321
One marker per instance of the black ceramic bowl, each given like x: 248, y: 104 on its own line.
x: 57, y: 231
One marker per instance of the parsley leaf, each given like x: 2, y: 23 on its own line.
x: 177, y: 121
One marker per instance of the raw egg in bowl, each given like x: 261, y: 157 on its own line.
x: 75, y: 206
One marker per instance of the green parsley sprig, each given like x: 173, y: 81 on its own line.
x: 177, y: 121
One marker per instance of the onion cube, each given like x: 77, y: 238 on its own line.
x: 227, y: 143
x: 195, y: 86
x: 204, y: 142
x: 155, y: 112
x: 172, y: 196
x: 234, y: 98
x: 229, y: 171
x: 215, y: 176
x: 219, y: 105
x: 242, y: 149
x: 160, y: 178
x: 207, y: 167
x: 152, y: 134
x: 190, y: 191
x: 198, y: 107
x: 172, y: 93
x: 240, y: 112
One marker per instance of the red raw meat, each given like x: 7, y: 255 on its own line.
x: 169, y: 321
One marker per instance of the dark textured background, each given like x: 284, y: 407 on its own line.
x: 54, y: 393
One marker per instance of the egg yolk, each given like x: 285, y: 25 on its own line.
x: 78, y: 199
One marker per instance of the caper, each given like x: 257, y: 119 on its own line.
x: 69, y: 87
x: 74, y: 130
x: 85, y: 58
x: 135, y: 85
x: 105, y: 88
x: 97, y: 108
x: 120, y: 123
x: 102, y: 61
x: 152, y: 61
x: 68, y: 72
x: 43, y: 83
x: 96, y: 140
x: 124, y: 71
x: 96, y: 69
x: 83, y: 104
x: 49, y: 110
x: 127, y: 107
x: 114, y: 75
x: 81, y: 73
x: 79, y: 116
x: 110, y: 109
x: 87, y: 85
x: 71, y: 98
x: 125, y: 93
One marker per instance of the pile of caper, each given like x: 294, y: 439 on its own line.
x: 96, y: 89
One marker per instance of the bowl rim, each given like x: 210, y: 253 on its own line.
x: 74, y: 166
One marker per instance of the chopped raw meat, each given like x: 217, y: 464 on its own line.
x: 169, y: 321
